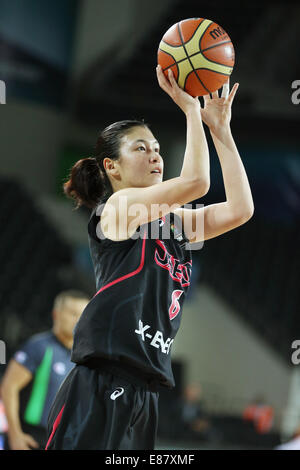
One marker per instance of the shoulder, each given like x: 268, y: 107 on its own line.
x: 37, y: 342
x: 105, y: 224
x: 44, y: 337
x: 38, y: 339
x: 32, y: 351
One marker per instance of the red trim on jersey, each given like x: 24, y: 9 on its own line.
x: 55, y: 426
x: 133, y: 273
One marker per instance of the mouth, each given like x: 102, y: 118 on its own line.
x: 156, y: 171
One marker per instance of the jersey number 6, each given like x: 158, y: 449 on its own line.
x: 175, y: 305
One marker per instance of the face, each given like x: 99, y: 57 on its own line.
x: 66, y: 318
x: 193, y: 392
x: 139, y: 157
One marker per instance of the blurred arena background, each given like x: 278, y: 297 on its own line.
x: 71, y: 68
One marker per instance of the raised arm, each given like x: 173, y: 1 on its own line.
x: 238, y: 207
x: 192, y: 183
x: 196, y: 157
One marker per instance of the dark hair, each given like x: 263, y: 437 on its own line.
x: 88, y: 182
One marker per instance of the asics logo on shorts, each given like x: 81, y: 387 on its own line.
x: 117, y: 393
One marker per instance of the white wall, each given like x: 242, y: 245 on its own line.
x: 230, y: 360
x: 291, y: 416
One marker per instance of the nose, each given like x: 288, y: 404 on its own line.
x: 155, y: 157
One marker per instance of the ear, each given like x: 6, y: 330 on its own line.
x: 111, y: 166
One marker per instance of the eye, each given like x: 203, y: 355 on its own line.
x: 143, y: 148
x: 157, y: 150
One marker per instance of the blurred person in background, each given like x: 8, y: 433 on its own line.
x: 260, y: 414
x: 35, y: 373
x: 186, y: 411
x: 196, y: 422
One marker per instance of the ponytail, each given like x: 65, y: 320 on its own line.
x: 86, y: 184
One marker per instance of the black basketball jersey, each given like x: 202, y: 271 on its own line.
x: 141, y: 284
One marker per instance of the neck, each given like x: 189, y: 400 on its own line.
x: 67, y: 341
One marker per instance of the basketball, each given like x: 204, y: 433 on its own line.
x: 200, y: 54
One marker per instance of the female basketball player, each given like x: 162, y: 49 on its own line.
x: 123, y: 340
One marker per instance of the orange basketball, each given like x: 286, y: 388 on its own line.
x: 200, y: 54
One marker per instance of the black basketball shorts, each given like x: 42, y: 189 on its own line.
x: 103, y: 409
